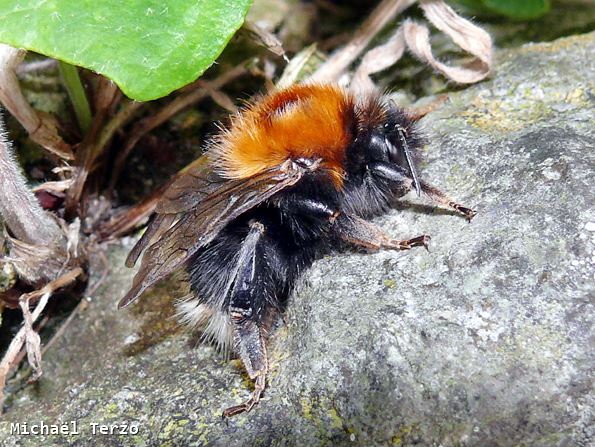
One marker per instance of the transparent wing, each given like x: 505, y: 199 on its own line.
x: 195, y: 183
x: 199, y: 205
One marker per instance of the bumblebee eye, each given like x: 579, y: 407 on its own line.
x: 396, y: 156
x: 377, y: 148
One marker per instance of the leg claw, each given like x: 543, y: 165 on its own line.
x: 259, y: 385
x: 467, y: 212
x: 238, y: 409
x: 419, y: 241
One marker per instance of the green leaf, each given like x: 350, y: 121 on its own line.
x: 148, y: 47
x: 474, y: 7
x: 519, y: 9
x: 514, y: 9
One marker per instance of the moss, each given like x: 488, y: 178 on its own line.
x: 536, y: 345
x: 8, y: 276
x: 306, y: 408
x: 111, y: 409
x: 389, y: 283
x: 568, y: 44
x: 403, y: 434
x: 497, y: 116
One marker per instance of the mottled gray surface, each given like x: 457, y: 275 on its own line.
x: 484, y: 341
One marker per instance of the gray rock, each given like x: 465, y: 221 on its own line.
x: 484, y: 341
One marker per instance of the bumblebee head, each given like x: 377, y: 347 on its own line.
x: 387, y: 140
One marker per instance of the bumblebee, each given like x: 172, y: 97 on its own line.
x: 297, y: 174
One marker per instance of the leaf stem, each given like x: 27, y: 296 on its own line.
x: 19, y: 207
x: 77, y: 95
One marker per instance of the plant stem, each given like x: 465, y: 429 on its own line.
x: 77, y: 95
x: 41, y: 128
x: 19, y: 207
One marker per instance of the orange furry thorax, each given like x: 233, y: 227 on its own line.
x: 303, y: 121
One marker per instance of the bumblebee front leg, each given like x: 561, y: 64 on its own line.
x: 439, y: 197
x: 248, y: 308
x: 358, y: 231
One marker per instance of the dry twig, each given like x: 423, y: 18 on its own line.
x: 175, y: 106
x: 82, y: 304
x: 54, y: 186
x: 26, y: 334
x: 97, y: 140
x: 386, y: 11
x: 264, y: 38
x: 133, y: 217
x: 295, y: 67
x: 37, y: 65
x: 415, y: 37
x: 42, y: 128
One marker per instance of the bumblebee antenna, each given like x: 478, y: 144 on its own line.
x: 402, y: 133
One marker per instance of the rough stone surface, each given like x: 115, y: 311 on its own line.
x: 484, y: 341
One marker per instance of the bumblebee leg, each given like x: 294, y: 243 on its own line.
x: 248, y: 308
x: 439, y: 197
x: 360, y: 232
x: 252, y: 350
x: 304, y: 205
x: 393, y: 173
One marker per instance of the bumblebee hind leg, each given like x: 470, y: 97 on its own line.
x: 252, y: 350
x: 249, y: 308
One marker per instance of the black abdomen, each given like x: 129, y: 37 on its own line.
x: 251, y: 273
